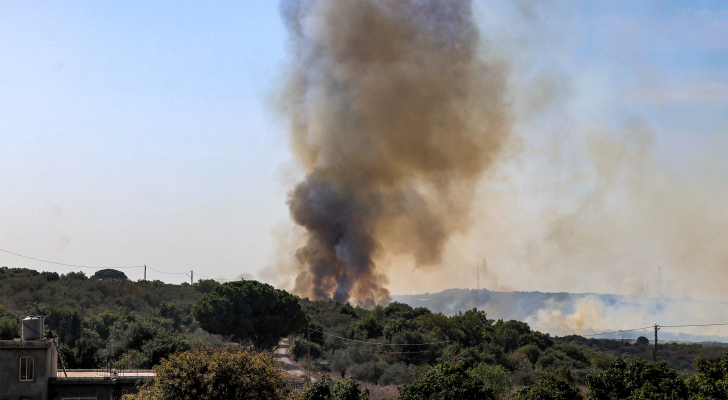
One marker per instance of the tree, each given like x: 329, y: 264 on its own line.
x: 66, y: 323
x: 348, y: 389
x: 109, y: 274
x: 549, y: 388
x: 250, y: 310
x: 447, y: 381
x: 711, y: 381
x: 147, y: 336
x: 174, y: 313
x: 642, y: 341
x: 636, y: 380
x: 9, y: 328
x: 214, y: 373
x: 493, y: 376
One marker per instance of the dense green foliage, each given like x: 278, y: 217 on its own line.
x: 678, y: 356
x: 26, y: 292
x: 447, y: 381
x: 110, y: 274
x: 130, y: 324
x: 214, y: 373
x: 142, y: 324
x: 711, y: 381
x: 548, y: 388
x: 636, y: 380
x: 495, y: 377
x: 347, y: 389
x: 252, y: 311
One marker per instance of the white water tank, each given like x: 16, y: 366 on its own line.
x: 33, y: 327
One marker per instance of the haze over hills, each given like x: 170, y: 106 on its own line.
x: 587, y: 313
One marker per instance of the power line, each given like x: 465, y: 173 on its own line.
x: 686, y: 326
x: 168, y: 273
x: 651, y: 327
x: 85, y: 266
x: 626, y: 330
x: 57, y: 263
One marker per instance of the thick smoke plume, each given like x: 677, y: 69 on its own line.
x: 395, y: 114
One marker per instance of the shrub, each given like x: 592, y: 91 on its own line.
x: 369, y: 371
x: 447, y: 381
x: 299, y: 349
x: 214, y: 373
x: 9, y: 328
x: 395, y: 374
x: 493, y: 376
x: 549, y: 388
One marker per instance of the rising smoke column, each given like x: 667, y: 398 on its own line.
x: 395, y: 114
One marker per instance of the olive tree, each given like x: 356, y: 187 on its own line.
x: 252, y: 311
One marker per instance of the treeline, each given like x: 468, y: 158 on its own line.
x: 398, y: 344
x: 678, y: 356
x: 105, y: 318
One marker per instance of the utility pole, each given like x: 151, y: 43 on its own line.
x: 192, y: 274
x: 308, y: 364
x: 655, y: 357
x: 145, y: 272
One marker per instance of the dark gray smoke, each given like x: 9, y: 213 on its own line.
x: 395, y: 114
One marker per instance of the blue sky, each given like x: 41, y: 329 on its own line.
x: 141, y: 133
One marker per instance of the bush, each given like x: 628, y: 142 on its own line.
x: 369, y: 371
x: 549, y: 388
x: 493, y: 376
x: 395, y: 374
x: 214, y: 373
x: 9, y: 328
x: 636, y: 380
x: 347, y: 389
x: 523, y: 378
x: 340, y: 362
x: 447, y: 381
x: 299, y: 349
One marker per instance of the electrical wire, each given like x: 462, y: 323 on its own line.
x: 686, y: 326
x: 626, y: 330
x: 57, y: 263
x: 168, y: 273
x: 653, y: 326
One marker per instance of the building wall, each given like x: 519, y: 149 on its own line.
x: 43, y: 354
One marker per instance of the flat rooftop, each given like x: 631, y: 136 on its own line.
x: 16, y: 343
x: 105, y: 373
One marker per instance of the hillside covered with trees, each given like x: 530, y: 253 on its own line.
x: 107, y: 319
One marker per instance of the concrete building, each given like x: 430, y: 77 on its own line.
x: 29, y: 371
